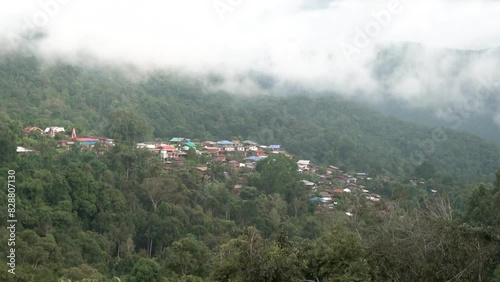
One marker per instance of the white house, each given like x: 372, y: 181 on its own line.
x: 53, y: 130
x: 167, y: 151
x: 303, y: 164
x: 309, y: 184
x: 150, y: 146
x: 23, y: 150
x: 253, y: 148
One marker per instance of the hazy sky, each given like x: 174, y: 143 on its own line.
x: 321, y: 44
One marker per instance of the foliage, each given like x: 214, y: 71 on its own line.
x: 326, y: 129
x: 145, y: 270
x: 118, y: 214
x: 128, y: 127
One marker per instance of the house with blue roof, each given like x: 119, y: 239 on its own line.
x: 251, y: 162
x: 225, y: 143
x: 318, y: 199
x: 253, y: 159
x: 274, y: 147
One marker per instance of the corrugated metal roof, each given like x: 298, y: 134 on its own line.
x: 85, y: 139
x: 167, y: 148
x: 190, y: 144
x: 225, y: 142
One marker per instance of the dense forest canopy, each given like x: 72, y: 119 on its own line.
x: 325, y: 129
x: 119, y: 213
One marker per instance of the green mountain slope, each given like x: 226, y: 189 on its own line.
x: 410, y: 61
x: 327, y: 130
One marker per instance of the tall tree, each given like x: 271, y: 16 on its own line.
x: 128, y: 126
x: 187, y: 256
x: 146, y: 270
x: 278, y: 174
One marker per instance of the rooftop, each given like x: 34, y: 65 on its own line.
x: 166, y: 148
x: 254, y: 158
x: 248, y: 142
x: 225, y: 142
x: 84, y: 139
x: 190, y: 144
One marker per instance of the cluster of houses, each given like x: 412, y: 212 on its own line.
x: 337, y: 186
x: 86, y: 142
x: 236, y: 153
x: 52, y: 131
x: 333, y: 186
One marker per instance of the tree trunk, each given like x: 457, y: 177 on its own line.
x: 150, y: 247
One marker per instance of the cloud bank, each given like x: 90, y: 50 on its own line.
x: 353, y: 47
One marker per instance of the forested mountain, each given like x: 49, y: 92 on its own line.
x: 480, y: 124
x: 472, y: 96
x: 118, y: 216
x: 326, y: 129
x: 119, y: 213
x: 423, y: 85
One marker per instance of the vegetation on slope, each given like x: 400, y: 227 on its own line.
x: 327, y: 130
x: 118, y: 214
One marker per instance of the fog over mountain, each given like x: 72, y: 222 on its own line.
x: 437, y: 59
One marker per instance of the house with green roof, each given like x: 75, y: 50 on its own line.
x: 190, y: 144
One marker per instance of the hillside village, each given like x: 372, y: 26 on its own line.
x: 332, y: 185
x: 329, y: 187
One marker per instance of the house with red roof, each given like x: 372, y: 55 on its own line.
x: 167, y: 151
x: 338, y: 191
x: 259, y: 153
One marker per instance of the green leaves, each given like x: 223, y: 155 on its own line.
x: 252, y: 258
x: 337, y: 256
x: 128, y: 127
x: 187, y: 256
x: 483, y: 206
x: 278, y: 174
x: 145, y: 270
x: 8, y: 140
x: 87, y: 216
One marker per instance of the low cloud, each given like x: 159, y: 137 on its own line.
x: 423, y: 53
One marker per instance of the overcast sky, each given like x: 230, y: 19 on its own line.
x: 321, y: 44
